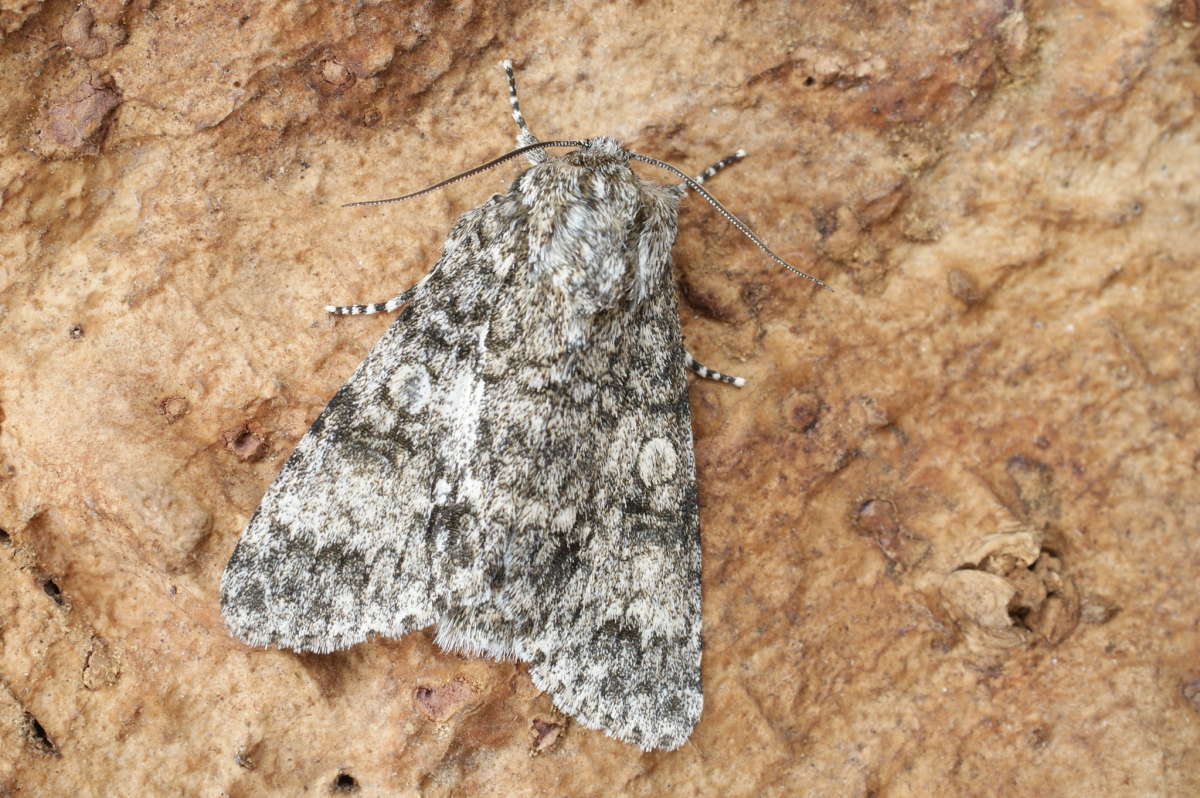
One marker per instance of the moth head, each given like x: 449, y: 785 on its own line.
x: 604, y: 148
x: 598, y: 151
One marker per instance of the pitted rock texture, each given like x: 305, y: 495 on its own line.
x: 948, y: 527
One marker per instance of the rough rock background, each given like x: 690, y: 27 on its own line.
x: 950, y: 527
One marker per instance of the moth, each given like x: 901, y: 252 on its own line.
x: 512, y: 463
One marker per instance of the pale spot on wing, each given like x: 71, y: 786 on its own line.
x: 657, y: 461
x: 411, y: 388
x: 441, y: 492
x: 470, y: 490
x: 563, y: 522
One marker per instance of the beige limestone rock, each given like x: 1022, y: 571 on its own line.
x: 1004, y: 197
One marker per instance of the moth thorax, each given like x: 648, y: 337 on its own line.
x: 601, y: 236
x: 619, y: 261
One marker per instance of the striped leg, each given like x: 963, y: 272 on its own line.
x: 525, y: 135
x: 379, y: 307
x: 718, y: 166
x: 692, y: 363
x: 704, y: 371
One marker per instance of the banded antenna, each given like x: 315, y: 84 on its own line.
x: 691, y: 183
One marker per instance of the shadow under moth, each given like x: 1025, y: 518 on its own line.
x: 512, y: 463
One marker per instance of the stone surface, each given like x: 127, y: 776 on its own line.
x: 949, y: 526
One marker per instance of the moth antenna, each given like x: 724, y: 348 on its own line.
x: 729, y: 217
x: 475, y: 171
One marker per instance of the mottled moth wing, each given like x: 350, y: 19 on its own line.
x: 621, y: 649
x: 586, y: 520
x: 577, y: 529
x: 512, y: 462
x: 339, y: 548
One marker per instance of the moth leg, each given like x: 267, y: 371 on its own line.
x: 378, y: 307
x: 718, y: 166
x: 525, y: 136
x: 712, y: 374
x: 692, y: 363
